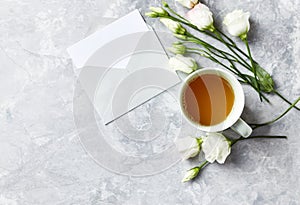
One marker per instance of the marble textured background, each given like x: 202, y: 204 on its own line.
x: 41, y: 158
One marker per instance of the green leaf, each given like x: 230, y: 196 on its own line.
x: 264, y: 79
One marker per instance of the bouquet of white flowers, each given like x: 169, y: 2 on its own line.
x: 216, y: 146
x: 200, y: 18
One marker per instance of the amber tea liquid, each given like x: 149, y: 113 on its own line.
x: 208, y: 99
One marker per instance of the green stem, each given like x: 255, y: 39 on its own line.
x: 235, y: 46
x: 255, y: 126
x: 196, y: 52
x: 218, y: 55
x: 249, y: 82
x: 283, y: 98
x: 253, y: 67
x: 183, y: 20
x: 219, y: 38
x: 188, y: 23
x: 207, y: 45
x: 228, y: 38
x: 257, y: 88
x: 204, y: 43
x: 258, y: 137
x: 247, y: 66
x: 203, y: 164
x: 209, y: 56
x: 201, y: 41
x: 230, y: 45
x: 234, y: 70
x: 232, y: 142
x: 233, y: 51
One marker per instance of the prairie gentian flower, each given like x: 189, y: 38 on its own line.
x: 157, y: 12
x: 174, y: 26
x: 178, y: 48
x: 237, y: 23
x: 201, y: 17
x: 182, y: 63
x: 216, y: 147
x: 180, y: 36
x: 191, y: 174
x: 188, y: 3
x: 188, y: 147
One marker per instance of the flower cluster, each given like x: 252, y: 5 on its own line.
x: 199, y: 18
x: 215, y: 146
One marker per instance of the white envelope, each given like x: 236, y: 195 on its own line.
x: 122, y: 66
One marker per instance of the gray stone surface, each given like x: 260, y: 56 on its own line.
x: 42, y: 160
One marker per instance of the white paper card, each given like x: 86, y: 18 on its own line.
x: 123, y: 66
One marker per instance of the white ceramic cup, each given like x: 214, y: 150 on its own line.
x: 233, y: 120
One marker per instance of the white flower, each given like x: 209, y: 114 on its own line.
x: 188, y: 3
x: 184, y: 64
x: 237, y: 23
x: 201, y: 17
x: 178, y: 48
x: 216, y: 147
x: 174, y: 26
x: 191, y: 174
x: 188, y: 147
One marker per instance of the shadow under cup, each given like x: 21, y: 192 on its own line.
x: 212, y: 99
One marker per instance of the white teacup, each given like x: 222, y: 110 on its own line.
x: 233, y: 119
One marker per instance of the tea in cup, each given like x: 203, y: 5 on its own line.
x: 213, y: 100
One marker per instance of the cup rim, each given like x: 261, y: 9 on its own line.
x: 238, y: 105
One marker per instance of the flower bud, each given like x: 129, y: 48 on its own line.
x: 174, y: 26
x: 152, y: 14
x: 164, y: 3
x: 180, y: 36
x: 183, y: 64
x: 160, y: 11
x: 188, y: 147
x: 178, y: 48
x: 157, y: 12
x: 188, y: 3
x: 237, y: 23
x: 191, y: 174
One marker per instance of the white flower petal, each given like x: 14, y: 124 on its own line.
x: 188, y: 3
x: 174, y: 26
x: 158, y: 10
x: 184, y: 64
x: 191, y: 174
x: 223, y: 154
x: 188, y: 147
x: 237, y: 22
x: 216, y: 147
x: 201, y: 16
x: 178, y: 48
x: 170, y: 24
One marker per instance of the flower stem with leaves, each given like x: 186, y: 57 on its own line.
x: 260, y: 82
x: 193, y: 173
